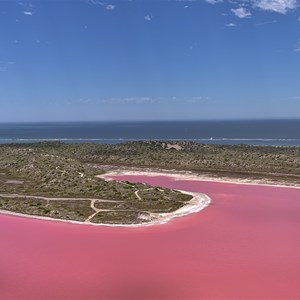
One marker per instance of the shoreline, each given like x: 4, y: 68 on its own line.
x: 196, y: 204
x: 188, y: 175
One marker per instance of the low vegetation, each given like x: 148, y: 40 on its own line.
x: 44, y: 180
x: 36, y: 179
x: 241, y: 159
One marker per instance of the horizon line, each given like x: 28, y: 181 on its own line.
x: 152, y: 121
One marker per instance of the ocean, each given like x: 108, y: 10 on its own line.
x: 253, y: 132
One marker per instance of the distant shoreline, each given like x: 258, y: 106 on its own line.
x: 191, y: 175
x: 277, y: 132
x: 258, y: 142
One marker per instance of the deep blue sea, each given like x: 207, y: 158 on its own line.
x: 255, y: 132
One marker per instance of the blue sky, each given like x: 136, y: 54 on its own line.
x: 149, y: 60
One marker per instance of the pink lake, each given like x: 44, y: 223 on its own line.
x: 245, y: 245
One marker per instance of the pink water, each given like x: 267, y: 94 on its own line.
x: 246, y: 244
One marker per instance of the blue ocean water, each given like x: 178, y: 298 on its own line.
x: 254, y: 132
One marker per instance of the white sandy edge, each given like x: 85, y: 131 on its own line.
x: 197, y: 203
x: 189, y: 175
